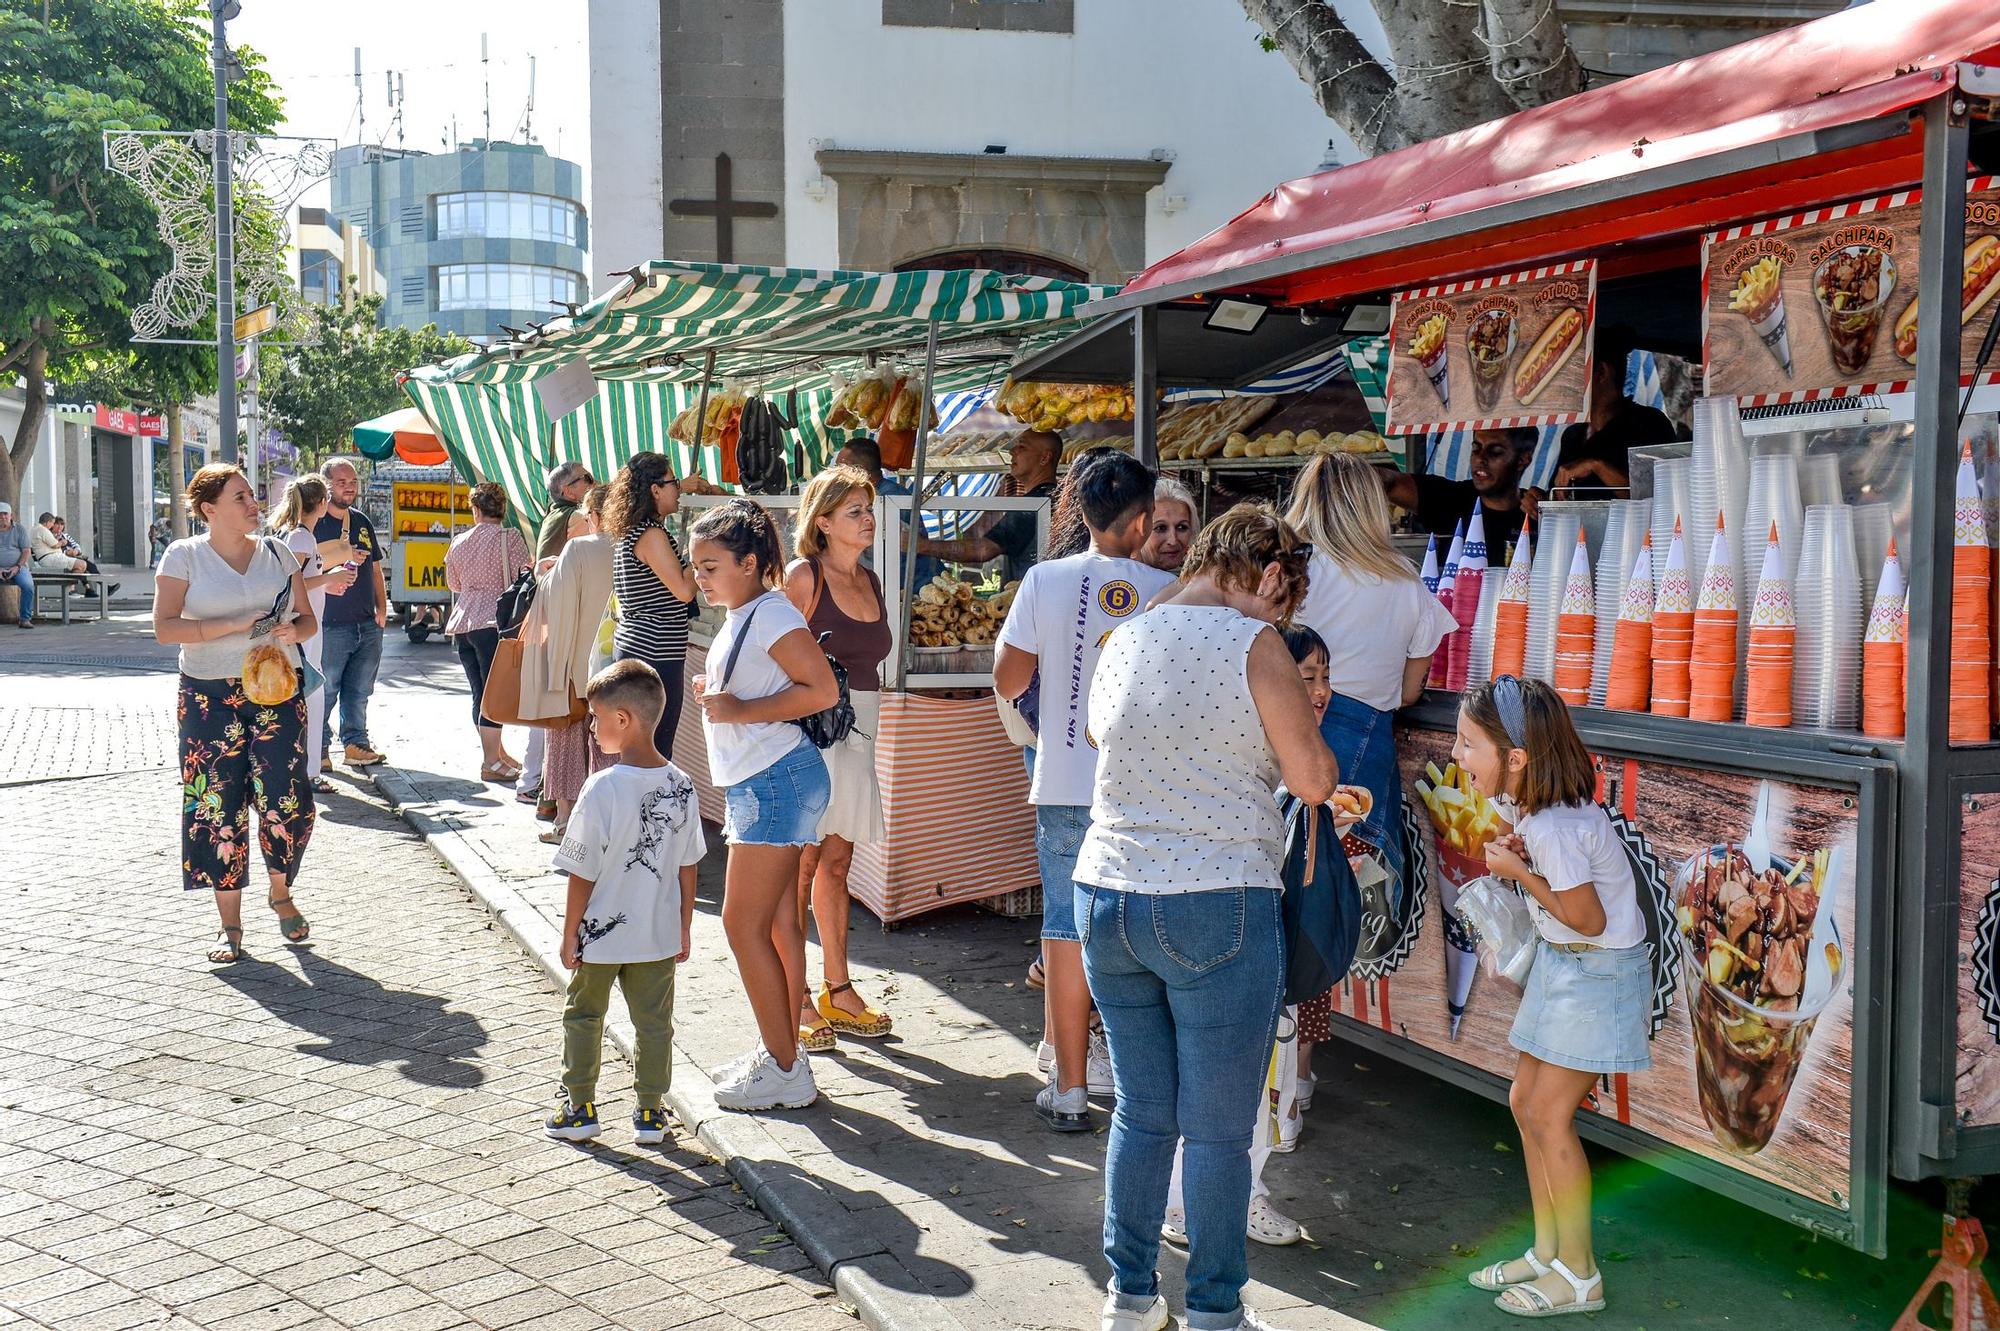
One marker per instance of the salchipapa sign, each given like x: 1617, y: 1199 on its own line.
x: 1823, y: 303
x: 1512, y: 349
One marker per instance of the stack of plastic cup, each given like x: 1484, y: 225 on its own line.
x: 1670, y: 501
x: 1718, y: 481
x: 1819, y: 478
x: 1826, y: 678
x: 1556, y: 525
x: 1874, y: 527
x: 1479, y: 657
x: 1773, y: 497
x: 1625, y: 530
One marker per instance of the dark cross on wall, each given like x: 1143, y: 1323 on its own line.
x: 725, y: 208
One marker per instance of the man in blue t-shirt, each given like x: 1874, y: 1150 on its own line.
x: 351, y: 628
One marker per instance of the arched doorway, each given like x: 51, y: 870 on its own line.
x: 1003, y: 261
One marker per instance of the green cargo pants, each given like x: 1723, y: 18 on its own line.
x: 649, y: 995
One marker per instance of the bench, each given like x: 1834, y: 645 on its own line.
x: 63, y: 583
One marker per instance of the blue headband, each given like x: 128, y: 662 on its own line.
x: 1513, y: 715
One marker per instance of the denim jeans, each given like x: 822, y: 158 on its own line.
x: 25, y: 580
x: 1189, y: 986
x: 351, y: 655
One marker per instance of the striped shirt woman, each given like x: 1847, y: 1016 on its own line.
x: 651, y: 580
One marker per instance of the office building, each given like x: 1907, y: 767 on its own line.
x: 330, y: 253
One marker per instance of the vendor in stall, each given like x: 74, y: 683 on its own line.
x: 1594, y: 462
x: 1499, y: 457
x: 866, y: 454
x: 1011, y: 536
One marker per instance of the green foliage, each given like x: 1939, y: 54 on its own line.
x: 319, y: 393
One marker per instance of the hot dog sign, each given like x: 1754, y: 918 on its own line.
x: 1824, y: 303
x: 1495, y: 352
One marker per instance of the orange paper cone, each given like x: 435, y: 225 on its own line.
x: 1510, y: 616
x: 1632, y: 638
x: 1883, y: 653
x: 1712, y: 662
x: 1767, y: 686
x: 1576, y: 630
x: 1673, y: 631
x: 1971, y: 613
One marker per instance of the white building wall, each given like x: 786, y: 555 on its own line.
x: 624, y: 163
x: 1186, y: 76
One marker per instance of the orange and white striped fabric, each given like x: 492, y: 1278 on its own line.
x: 1971, y: 613
x: 1510, y: 615
x: 1632, y: 638
x: 1712, y: 661
x: 1673, y: 631
x: 954, y: 800
x: 1576, y: 630
x: 1774, y: 633
x: 1884, y: 653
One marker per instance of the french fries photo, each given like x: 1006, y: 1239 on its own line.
x: 1465, y: 819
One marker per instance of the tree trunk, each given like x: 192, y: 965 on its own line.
x: 177, y: 471
x: 35, y: 379
x: 1532, y: 59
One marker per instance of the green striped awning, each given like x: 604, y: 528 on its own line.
x: 773, y: 331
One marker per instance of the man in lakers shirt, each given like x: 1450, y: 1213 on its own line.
x: 1062, y: 614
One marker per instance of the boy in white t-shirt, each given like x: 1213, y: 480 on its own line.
x: 630, y: 850
x: 1062, y: 614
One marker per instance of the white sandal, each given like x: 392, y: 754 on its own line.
x: 1492, y: 1278
x: 1586, y: 1296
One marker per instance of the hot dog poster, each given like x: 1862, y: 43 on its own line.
x: 1824, y: 303
x: 1498, y: 351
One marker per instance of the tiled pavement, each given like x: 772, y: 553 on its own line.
x: 340, y: 1135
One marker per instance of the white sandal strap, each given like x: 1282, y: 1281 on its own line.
x: 1582, y: 1289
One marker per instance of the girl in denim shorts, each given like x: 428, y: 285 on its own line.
x: 1585, y: 1006
x: 764, y: 672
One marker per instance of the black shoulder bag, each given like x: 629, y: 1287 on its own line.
x: 824, y: 728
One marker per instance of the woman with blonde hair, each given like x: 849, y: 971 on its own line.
x: 1381, y: 626
x: 556, y: 644
x: 305, y: 504
x: 843, y: 606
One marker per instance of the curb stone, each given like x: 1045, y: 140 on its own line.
x: 865, y: 1273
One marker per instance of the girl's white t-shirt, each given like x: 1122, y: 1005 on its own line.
x: 1574, y: 844
x: 737, y: 752
x: 1372, y: 626
x: 217, y: 591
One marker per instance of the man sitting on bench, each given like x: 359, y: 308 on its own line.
x: 55, y: 552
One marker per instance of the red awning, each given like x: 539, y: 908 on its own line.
x: 1330, y: 235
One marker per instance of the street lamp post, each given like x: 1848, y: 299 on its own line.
x: 220, y: 12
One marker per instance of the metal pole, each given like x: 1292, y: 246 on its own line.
x: 1926, y: 828
x: 1145, y: 383
x: 225, y: 243
x: 916, y: 505
x: 701, y: 409
x: 252, y: 464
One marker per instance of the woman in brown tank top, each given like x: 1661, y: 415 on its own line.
x: 842, y: 601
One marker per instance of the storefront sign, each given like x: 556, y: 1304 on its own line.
x: 429, y: 508
x: 1756, y: 1076
x: 121, y: 421
x: 1496, y: 352
x: 1824, y: 303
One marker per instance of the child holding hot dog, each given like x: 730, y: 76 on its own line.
x: 1585, y: 1006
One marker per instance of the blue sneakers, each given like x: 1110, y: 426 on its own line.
x: 649, y: 1126
x: 573, y: 1123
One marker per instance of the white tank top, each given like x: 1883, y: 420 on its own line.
x: 1185, y: 794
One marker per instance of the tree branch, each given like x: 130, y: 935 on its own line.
x: 1532, y: 58
x: 1349, y: 84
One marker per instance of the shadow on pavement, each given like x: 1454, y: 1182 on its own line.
x: 359, y: 1020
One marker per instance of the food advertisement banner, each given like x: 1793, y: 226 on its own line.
x: 1824, y: 303
x: 1978, y: 1099
x: 429, y: 508
x: 1748, y: 889
x: 1495, y: 352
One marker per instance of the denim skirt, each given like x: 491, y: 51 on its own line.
x: 1587, y: 1010
x: 781, y: 805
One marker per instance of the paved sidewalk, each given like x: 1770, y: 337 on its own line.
x: 340, y: 1135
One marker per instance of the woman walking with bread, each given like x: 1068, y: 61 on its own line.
x: 236, y: 605
x: 843, y: 605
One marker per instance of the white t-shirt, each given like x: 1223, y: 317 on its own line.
x: 1062, y: 613
x: 1574, y: 844
x: 217, y: 591
x: 737, y: 752
x: 631, y: 832
x: 1372, y: 626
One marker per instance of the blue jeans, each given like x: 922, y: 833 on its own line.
x: 1189, y: 986
x: 1059, y: 833
x: 1363, y: 739
x: 25, y: 580
x: 349, y: 657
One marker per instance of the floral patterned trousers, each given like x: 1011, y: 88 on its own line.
x: 235, y: 753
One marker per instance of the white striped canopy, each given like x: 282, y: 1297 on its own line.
x: 776, y: 330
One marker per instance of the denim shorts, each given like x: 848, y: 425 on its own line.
x: 1059, y: 830
x: 781, y: 805
x: 1587, y: 1010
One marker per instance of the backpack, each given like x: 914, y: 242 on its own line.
x: 824, y: 728
x: 760, y: 446
x: 1322, y: 905
x: 512, y: 606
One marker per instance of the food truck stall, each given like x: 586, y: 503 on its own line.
x: 1800, y: 759
x: 413, y: 482
x: 667, y: 360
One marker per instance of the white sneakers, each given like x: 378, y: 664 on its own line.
x: 1098, y: 1070
x: 754, y: 1081
x: 1268, y: 1225
x: 1151, y: 1318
